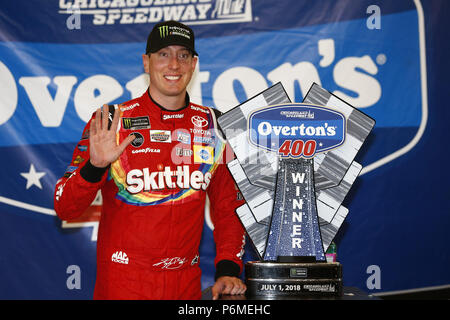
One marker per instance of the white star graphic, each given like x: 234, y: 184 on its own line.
x: 33, y: 177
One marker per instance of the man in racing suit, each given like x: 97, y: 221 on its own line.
x: 155, y: 158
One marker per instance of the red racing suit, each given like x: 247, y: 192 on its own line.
x: 153, y: 202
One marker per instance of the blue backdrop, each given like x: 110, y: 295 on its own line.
x: 59, y: 60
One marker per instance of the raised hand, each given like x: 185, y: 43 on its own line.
x: 103, y: 148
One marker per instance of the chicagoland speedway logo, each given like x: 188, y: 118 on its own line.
x: 108, y: 12
x: 297, y: 130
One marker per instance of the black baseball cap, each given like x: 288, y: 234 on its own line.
x: 169, y: 33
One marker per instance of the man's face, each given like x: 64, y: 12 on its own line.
x: 170, y: 71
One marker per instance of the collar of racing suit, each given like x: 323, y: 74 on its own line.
x: 186, y: 103
x: 169, y: 117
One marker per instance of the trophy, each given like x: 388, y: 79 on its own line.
x: 294, y: 166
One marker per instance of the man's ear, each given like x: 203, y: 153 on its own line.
x: 146, y: 63
x: 194, y: 62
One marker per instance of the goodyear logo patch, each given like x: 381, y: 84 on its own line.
x: 297, y: 130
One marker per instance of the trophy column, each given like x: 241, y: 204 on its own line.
x: 294, y: 260
x: 294, y: 230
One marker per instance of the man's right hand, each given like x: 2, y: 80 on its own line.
x: 102, y: 141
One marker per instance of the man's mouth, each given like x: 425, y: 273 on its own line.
x: 172, y: 78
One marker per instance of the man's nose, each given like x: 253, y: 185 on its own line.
x: 173, y: 62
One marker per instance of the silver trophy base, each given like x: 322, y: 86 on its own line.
x: 279, y: 279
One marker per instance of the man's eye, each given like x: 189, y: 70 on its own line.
x: 163, y: 54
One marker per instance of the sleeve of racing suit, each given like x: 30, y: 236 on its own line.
x: 76, y: 190
x: 229, y: 235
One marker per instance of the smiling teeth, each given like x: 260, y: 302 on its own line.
x: 172, y: 77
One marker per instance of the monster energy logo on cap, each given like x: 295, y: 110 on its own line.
x: 170, y: 33
x: 163, y: 31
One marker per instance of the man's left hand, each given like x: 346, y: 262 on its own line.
x: 228, y: 285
